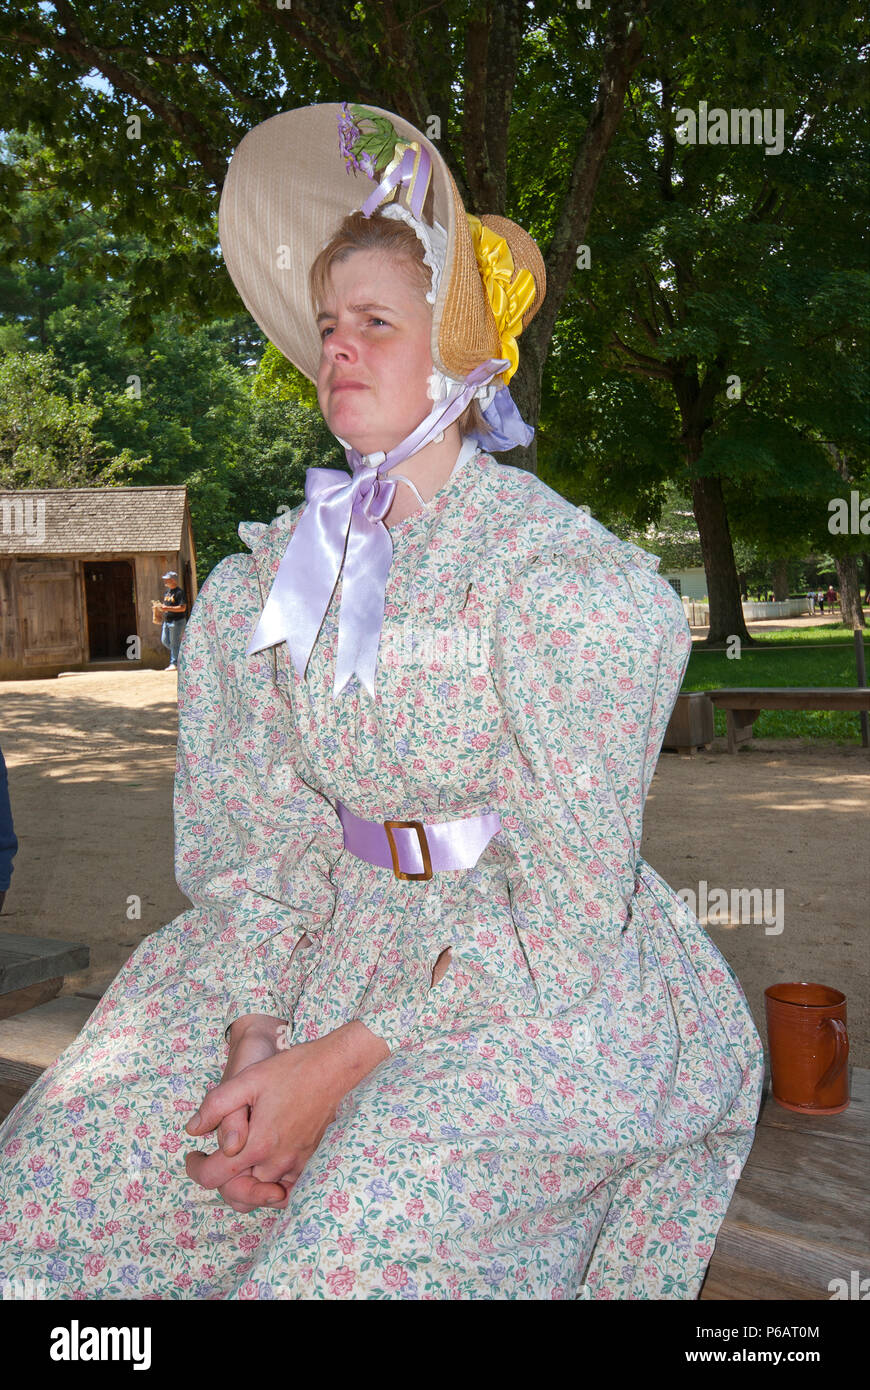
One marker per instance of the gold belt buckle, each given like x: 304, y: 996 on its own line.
x: 390, y: 826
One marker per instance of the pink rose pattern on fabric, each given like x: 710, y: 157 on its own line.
x: 566, y: 1112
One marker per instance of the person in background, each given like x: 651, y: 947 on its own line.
x: 831, y: 597
x: 174, y: 617
x: 811, y: 602
x: 821, y: 597
x: 8, y: 840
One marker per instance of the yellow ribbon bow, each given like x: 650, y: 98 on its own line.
x: 508, y: 302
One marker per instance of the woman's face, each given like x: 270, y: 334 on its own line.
x: 375, y: 357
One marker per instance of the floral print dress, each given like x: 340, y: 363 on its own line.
x: 566, y: 1112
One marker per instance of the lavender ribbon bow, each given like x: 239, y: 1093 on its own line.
x: 401, y: 171
x: 339, y: 510
x: 342, y: 527
x: 506, y: 427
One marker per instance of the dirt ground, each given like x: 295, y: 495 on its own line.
x: 91, y: 760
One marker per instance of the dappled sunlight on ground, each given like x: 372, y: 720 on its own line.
x: 91, y: 761
x: 780, y: 815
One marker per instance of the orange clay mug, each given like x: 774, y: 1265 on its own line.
x: 809, y: 1047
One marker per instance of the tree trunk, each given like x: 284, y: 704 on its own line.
x: 780, y: 579
x: 723, y: 589
x: 626, y: 30
x: 850, y: 594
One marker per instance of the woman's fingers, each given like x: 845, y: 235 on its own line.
x: 246, y: 1191
x: 220, y: 1102
x: 273, y: 1169
x: 236, y: 1189
x: 232, y: 1132
x: 213, y: 1170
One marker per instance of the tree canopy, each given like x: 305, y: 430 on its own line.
x: 706, y: 316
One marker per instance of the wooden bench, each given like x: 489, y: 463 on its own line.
x: 37, y: 1025
x: 31, y: 1041
x: 743, y: 704
x: 32, y: 969
x: 798, y: 1216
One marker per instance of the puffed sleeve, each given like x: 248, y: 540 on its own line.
x: 589, y: 648
x: 254, y: 843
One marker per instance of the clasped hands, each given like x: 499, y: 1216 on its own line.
x: 273, y: 1106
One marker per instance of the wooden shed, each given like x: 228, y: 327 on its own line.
x: 79, y: 568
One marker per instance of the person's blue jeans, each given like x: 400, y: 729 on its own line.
x: 171, y: 636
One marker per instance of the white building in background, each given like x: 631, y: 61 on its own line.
x: 689, y: 583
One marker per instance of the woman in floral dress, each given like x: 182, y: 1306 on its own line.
x: 505, y: 1061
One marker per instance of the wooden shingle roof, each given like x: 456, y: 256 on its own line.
x: 91, y: 520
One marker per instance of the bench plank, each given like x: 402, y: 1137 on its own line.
x: 28, y: 960
x: 18, y: 1001
x: 793, y: 697
x: 30, y: 1042
x: 791, y: 1226
x: 743, y: 704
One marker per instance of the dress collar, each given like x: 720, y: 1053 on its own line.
x: 340, y: 532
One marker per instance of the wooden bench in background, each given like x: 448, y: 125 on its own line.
x: 744, y: 704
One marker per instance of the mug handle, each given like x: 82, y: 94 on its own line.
x: 841, y: 1051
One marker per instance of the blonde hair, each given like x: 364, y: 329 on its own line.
x: 376, y: 233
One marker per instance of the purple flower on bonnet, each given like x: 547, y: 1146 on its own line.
x: 348, y: 134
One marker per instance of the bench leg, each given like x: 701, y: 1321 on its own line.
x: 739, y: 726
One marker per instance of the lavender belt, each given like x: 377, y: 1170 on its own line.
x: 422, y: 847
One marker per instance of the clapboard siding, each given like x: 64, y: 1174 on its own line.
x: 61, y: 548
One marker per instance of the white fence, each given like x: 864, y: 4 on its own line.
x: 698, y: 614
x: 789, y: 608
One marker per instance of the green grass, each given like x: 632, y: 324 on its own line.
x: 809, y: 636
x: 798, y: 656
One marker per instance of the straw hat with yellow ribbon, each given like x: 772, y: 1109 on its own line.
x: 291, y: 182
x: 295, y: 176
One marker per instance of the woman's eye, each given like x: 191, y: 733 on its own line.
x: 323, y: 333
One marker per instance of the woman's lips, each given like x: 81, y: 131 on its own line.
x: 349, y: 386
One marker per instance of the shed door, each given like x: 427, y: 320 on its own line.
x: 48, y: 602
x: 111, y: 600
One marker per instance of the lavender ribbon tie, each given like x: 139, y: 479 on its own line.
x: 339, y: 509
x: 507, y: 428
x: 342, y: 526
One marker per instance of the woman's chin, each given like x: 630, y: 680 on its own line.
x: 367, y: 441
x: 355, y: 425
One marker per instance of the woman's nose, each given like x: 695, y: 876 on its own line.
x: 339, y: 344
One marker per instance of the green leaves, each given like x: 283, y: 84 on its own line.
x: 47, y: 435
x: 380, y: 141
